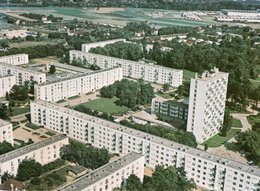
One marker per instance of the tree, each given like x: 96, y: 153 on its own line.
x: 206, y: 147
x: 133, y: 183
x: 52, y: 69
x: 6, y: 176
x: 249, y: 141
x: 5, y: 147
x: 3, y: 111
x: 166, y: 87
x: 170, y: 178
x: 7, y: 97
x: 19, y: 92
x: 227, y: 123
x: 28, y: 169
x: 84, y: 155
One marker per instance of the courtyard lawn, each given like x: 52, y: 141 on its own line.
x: 218, y: 140
x: 187, y: 75
x: 236, y: 123
x: 106, y: 105
x: 18, y: 110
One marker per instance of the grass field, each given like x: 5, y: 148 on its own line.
x: 106, y: 105
x: 218, y: 140
x: 32, y: 43
x: 187, y: 75
x: 18, y: 111
x: 236, y: 123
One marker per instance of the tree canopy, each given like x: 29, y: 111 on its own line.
x: 28, y: 169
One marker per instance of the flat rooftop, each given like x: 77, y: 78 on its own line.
x: 30, y: 148
x: 21, y: 68
x: 13, y: 55
x: 104, y: 41
x: 101, y: 173
x: 76, y: 76
x: 3, y: 123
x: 129, y: 61
x: 152, y: 138
x: 5, y: 76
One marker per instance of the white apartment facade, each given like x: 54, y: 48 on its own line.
x: 17, y: 59
x: 6, y: 84
x: 111, y: 175
x: 6, y: 132
x: 78, y: 84
x: 207, y: 170
x: 42, y: 152
x: 22, y: 74
x: 132, y: 69
x: 207, y: 104
x: 86, y: 47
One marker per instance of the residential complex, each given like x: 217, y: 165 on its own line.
x: 86, y: 47
x: 245, y: 16
x: 6, y: 132
x: 170, y: 108
x: 132, y: 69
x: 43, y: 152
x: 22, y: 74
x: 207, y: 104
x: 207, y: 170
x: 16, y: 59
x: 6, y: 84
x: 111, y: 175
x: 77, y: 84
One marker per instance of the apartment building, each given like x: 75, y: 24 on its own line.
x: 16, y: 59
x: 111, y: 175
x: 77, y: 84
x: 6, y: 132
x: 207, y: 170
x: 22, y: 74
x: 207, y: 104
x: 170, y: 108
x: 43, y: 152
x: 86, y: 47
x: 132, y: 69
x: 6, y: 84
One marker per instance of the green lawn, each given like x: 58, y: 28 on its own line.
x: 236, y: 123
x: 32, y: 126
x: 26, y: 44
x: 106, y: 105
x: 18, y: 110
x: 218, y: 140
x: 74, y: 97
x: 187, y: 75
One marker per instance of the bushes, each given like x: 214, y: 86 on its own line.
x: 179, y: 136
x: 28, y: 169
x: 53, y: 165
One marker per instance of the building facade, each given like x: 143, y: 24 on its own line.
x: 42, y: 152
x: 22, y: 74
x: 111, y: 175
x: 137, y: 70
x: 76, y: 85
x: 170, y: 108
x: 207, y: 104
x: 86, y: 47
x: 207, y: 170
x: 6, y: 132
x: 6, y: 84
x: 16, y: 59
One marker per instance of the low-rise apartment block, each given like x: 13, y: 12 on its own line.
x: 22, y: 74
x: 6, y: 132
x: 43, y: 152
x: 6, y: 84
x: 17, y: 59
x: 132, y: 69
x: 86, y: 47
x: 170, y: 108
x: 207, y: 170
x: 111, y: 175
x: 78, y: 84
x: 207, y: 104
